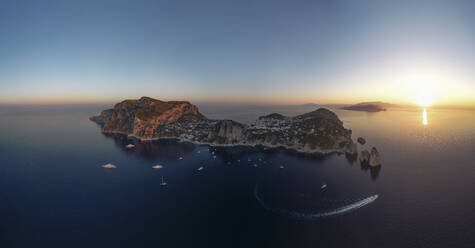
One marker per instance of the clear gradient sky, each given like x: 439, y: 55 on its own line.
x: 237, y: 51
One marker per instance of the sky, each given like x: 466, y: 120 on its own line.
x: 272, y: 52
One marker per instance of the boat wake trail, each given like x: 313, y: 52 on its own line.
x: 300, y: 215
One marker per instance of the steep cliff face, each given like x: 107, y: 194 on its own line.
x: 320, y: 131
x: 226, y: 132
x: 141, y: 117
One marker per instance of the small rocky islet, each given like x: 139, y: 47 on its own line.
x: 319, y: 131
x: 361, y: 140
x: 372, y: 158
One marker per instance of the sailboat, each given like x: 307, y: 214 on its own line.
x: 163, y: 183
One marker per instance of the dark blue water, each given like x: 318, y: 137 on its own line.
x: 53, y: 192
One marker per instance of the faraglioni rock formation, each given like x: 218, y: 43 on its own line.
x: 320, y: 131
x: 374, y: 158
x: 370, y: 158
x: 364, y: 157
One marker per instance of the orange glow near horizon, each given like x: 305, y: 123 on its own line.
x: 424, y: 88
x: 424, y: 99
x: 404, y: 81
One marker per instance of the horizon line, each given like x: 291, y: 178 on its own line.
x: 228, y: 103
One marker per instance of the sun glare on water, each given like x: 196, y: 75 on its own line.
x: 424, y: 117
x: 425, y: 100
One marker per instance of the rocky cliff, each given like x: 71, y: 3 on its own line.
x: 320, y: 131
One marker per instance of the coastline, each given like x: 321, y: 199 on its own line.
x: 269, y: 146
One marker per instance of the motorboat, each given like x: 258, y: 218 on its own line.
x: 158, y: 166
x: 109, y: 166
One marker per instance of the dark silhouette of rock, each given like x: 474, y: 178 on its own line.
x: 369, y: 106
x: 364, y: 157
x: 374, y: 158
x: 351, y: 149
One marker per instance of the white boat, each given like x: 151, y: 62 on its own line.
x: 109, y: 166
x: 130, y: 146
x: 282, y: 167
x: 201, y: 168
x: 323, y: 186
x: 298, y: 215
x: 180, y: 158
x: 157, y: 166
x: 163, y: 183
x: 255, y: 165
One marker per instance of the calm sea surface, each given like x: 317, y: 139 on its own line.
x: 53, y: 192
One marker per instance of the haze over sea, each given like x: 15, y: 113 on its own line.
x: 54, y: 193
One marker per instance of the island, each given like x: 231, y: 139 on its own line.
x: 369, y: 106
x: 319, y: 131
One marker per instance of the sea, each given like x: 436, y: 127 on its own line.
x: 54, y: 192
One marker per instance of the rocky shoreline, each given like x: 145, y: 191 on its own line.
x: 319, y: 131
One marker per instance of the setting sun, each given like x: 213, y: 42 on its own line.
x: 424, y: 99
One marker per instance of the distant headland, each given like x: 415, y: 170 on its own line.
x: 319, y: 131
x: 369, y: 106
